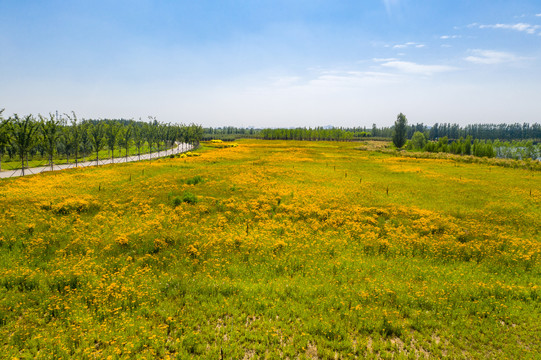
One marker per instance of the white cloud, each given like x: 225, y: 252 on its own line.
x: 522, y: 27
x: 407, y: 45
x: 537, y: 14
x: 446, y: 37
x: 384, y: 59
x: 420, y: 69
x: 490, y: 57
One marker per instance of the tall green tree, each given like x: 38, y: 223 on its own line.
x: 5, y: 135
x: 112, y: 131
x: 126, y: 137
x: 399, y: 131
x: 85, y: 137
x: 25, y: 136
x: 75, y: 135
x: 150, y: 135
x: 51, y: 132
x: 138, y: 139
x: 66, y: 141
x: 467, y: 145
x: 97, y: 138
x: 161, y: 133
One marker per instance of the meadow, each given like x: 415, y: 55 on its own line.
x: 272, y: 250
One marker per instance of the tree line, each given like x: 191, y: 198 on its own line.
x: 311, y: 134
x: 492, y: 132
x: 525, y: 149
x: 315, y: 134
x: 67, y: 136
x: 518, y: 150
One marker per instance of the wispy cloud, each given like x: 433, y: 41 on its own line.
x: 446, y: 37
x: 409, y: 44
x: 522, y: 27
x: 490, y: 57
x: 336, y: 78
x: 389, y: 5
x: 537, y: 14
x: 419, y: 69
x: 384, y: 59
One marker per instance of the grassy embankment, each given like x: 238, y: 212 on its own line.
x: 272, y: 250
x: 38, y: 160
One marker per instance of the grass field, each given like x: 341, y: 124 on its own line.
x: 272, y: 249
x: 38, y: 160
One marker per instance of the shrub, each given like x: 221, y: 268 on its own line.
x: 189, y: 198
x: 176, y: 201
x: 195, y: 180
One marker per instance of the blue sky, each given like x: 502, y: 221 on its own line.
x: 278, y: 63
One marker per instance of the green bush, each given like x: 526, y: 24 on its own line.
x: 176, y: 201
x: 195, y: 180
x: 189, y: 198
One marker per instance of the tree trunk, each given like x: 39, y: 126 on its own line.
x: 22, y: 163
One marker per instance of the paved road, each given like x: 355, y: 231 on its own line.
x: 180, y: 148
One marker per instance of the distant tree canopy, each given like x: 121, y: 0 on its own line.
x: 312, y: 134
x: 307, y: 134
x: 66, y: 136
x: 492, y: 132
x: 400, y: 131
x: 418, y: 140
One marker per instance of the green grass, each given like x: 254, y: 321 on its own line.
x: 38, y: 160
x: 292, y: 250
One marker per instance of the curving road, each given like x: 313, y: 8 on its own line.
x: 180, y: 148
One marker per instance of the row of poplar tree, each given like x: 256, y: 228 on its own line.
x: 52, y: 136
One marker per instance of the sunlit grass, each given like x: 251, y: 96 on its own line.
x: 292, y: 249
x: 38, y: 160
